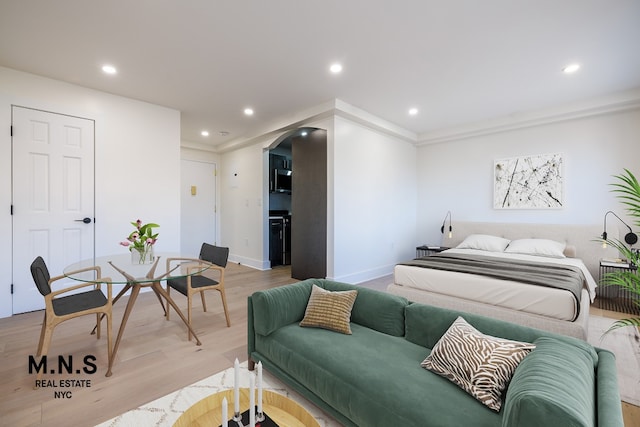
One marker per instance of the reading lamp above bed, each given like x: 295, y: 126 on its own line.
x: 448, y: 215
x: 630, y: 238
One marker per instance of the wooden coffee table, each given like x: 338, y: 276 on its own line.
x: 281, y: 409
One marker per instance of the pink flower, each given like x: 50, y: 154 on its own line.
x: 139, y: 224
x: 134, y: 236
x: 125, y: 243
x: 150, y: 241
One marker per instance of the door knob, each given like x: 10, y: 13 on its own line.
x: 86, y: 220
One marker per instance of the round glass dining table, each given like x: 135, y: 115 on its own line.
x: 120, y: 269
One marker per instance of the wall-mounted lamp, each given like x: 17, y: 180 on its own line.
x: 448, y: 215
x: 630, y: 238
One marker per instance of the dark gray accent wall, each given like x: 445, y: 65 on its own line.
x: 309, y: 206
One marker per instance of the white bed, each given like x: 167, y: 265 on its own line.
x: 547, y: 308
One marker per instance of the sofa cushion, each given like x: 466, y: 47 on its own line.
x: 374, y: 309
x: 372, y: 378
x: 553, y: 386
x: 480, y: 364
x: 329, y: 310
x: 279, y: 306
x: 425, y: 324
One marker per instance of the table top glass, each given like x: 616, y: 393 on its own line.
x: 110, y: 266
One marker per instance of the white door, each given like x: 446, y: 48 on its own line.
x: 52, y: 196
x: 197, y: 206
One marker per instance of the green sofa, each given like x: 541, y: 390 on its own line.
x: 374, y: 378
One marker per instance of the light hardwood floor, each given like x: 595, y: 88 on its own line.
x: 154, y: 358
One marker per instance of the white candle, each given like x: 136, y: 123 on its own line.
x: 236, y: 387
x: 225, y: 416
x: 252, y: 399
x: 260, y: 387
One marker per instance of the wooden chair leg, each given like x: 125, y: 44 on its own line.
x: 224, y: 305
x: 168, y: 310
x: 98, y: 322
x: 42, y: 332
x: 189, y: 315
x: 204, y: 303
x: 44, y: 345
x: 109, y: 342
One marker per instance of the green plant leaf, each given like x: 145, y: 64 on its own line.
x: 623, y: 323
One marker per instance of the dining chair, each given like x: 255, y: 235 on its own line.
x: 215, y: 259
x: 60, y: 307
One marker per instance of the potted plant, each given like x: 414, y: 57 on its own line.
x: 140, y: 242
x: 627, y: 190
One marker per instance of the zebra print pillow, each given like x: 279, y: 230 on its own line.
x: 480, y: 364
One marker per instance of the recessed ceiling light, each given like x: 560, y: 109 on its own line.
x: 248, y: 111
x: 109, y: 69
x: 413, y: 111
x: 204, y: 133
x: 303, y: 133
x: 335, y: 68
x: 571, y: 68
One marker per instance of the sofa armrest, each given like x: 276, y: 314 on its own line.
x: 278, y: 307
x: 607, y: 393
x: 554, y: 385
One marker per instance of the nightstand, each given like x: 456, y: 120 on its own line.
x: 426, y: 250
x: 620, y: 298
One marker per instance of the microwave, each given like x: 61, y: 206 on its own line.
x: 281, y: 181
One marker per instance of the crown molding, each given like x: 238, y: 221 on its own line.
x: 335, y: 107
x: 364, y: 118
x: 618, y: 102
x: 621, y: 101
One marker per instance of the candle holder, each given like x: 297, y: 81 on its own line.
x: 242, y: 420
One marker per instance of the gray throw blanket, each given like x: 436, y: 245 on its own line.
x: 559, y: 276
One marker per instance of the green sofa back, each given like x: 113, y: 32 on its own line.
x: 425, y: 324
x: 373, y: 309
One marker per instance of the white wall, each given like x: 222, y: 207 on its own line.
x: 137, y: 162
x: 371, y: 201
x: 458, y: 175
x: 242, y: 205
x: 374, y: 210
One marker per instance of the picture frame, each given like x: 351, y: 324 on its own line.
x: 529, y: 182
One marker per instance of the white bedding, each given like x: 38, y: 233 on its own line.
x: 549, y: 302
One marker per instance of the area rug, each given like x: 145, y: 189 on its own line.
x: 167, y: 409
x: 625, y: 344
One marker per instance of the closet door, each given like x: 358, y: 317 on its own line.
x: 309, y: 206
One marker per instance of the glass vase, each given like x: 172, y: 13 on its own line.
x: 142, y: 255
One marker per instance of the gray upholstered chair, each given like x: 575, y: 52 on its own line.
x: 60, y: 307
x: 214, y: 259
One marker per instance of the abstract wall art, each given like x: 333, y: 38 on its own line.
x: 528, y: 182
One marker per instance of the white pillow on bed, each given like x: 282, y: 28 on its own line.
x: 484, y: 242
x: 540, y: 247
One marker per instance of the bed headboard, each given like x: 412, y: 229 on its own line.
x: 579, y: 236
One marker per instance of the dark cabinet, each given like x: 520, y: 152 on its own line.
x: 280, y: 240
x: 275, y: 242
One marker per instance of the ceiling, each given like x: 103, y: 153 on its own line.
x: 456, y: 61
